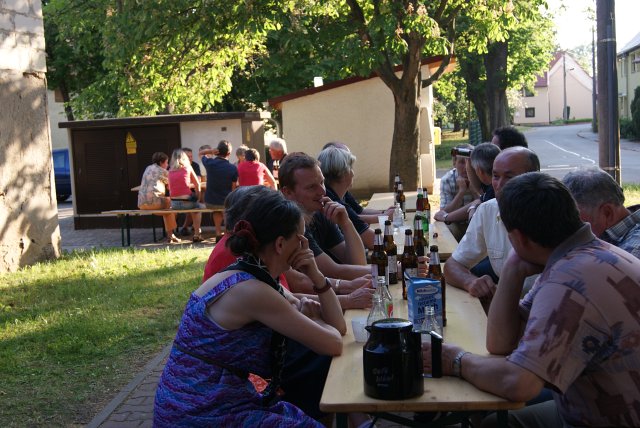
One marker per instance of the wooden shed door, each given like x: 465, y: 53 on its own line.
x: 104, y: 172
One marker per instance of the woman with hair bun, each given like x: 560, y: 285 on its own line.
x: 239, y: 321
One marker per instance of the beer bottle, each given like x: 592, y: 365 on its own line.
x: 435, y: 272
x: 409, y: 261
x: 426, y: 214
x: 419, y: 241
x: 379, y: 262
x: 392, y: 252
x: 401, y: 199
x: 396, y: 180
x: 420, y: 203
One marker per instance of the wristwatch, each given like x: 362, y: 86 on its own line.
x: 444, y: 217
x: 457, y: 363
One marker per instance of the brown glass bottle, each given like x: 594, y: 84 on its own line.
x: 419, y: 203
x: 391, y: 249
x: 435, y: 272
x: 409, y: 261
x: 420, y: 243
x: 379, y: 262
x: 401, y: 199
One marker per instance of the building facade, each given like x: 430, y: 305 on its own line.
x: 360, y: 113
x: 565, y: 84
x: 628, y: 75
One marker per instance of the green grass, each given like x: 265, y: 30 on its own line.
x: 631, y: 194
x: 74, y: 331
x: 443, y: 151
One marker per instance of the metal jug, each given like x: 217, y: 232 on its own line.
x: 392, y: 360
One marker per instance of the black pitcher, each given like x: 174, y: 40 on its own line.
x: 392, y: 360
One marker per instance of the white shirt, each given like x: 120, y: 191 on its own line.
x: 485, y: 236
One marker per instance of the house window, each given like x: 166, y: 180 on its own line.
x: 636, y: 63
x: 622, y: 65
x: 528, y: 93
x: 530, y: 112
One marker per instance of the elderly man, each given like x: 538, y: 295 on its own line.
x: 334, y: 240
x: 601, y: 203
x: 486, y: 235
x: 575, y: 331
x: 277, y: 152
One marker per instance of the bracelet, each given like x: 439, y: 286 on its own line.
x: 327, y: 286
x: 337, y: 285
x: 457, y: 363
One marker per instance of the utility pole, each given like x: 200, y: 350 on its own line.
x: 608, y: 125
x: 564, y: 86
x: 594, y: 88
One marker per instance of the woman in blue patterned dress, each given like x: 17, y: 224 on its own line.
x: 238, y: 322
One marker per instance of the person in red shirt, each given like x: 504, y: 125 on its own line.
x: 251, y: 171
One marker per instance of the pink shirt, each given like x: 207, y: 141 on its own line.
x: 251, y: 173
x: 179, y: 181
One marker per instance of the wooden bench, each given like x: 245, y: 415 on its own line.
x: 125, y: 219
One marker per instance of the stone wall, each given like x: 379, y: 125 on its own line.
x: 29, y: 229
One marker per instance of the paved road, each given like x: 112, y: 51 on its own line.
x: 565, y: 148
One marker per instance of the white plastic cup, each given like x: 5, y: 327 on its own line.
x: 359, y: 332
x: 382, y: 219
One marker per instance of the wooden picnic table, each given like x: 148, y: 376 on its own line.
x: 439, y: 233
x: 466, y: 326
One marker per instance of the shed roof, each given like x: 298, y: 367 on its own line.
x: 433, y: 63
x: 160, y: 119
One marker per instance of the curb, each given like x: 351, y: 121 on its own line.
x: 124, y: 393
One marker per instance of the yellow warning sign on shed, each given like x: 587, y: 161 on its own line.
x: 132, y: 144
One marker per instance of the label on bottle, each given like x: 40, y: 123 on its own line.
x: 374, y: 275
x: 411, y: 272
x: 389, y: 308
x: 393, y: 264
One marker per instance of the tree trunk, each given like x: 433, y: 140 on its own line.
x: 457, y: 126
x: 406, y: 136
x: 65, y: 98
x: 471, y: 65
x: 495, y: 61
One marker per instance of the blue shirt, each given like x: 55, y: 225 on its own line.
x: 625, y: 234
x: 220, y: 176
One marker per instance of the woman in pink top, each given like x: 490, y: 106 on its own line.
x: 182, y: 179
x: 252, y: 171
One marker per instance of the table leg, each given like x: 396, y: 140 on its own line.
x: 128, y: 230
x: 503, y: 418
x: 122, y: 226
x: 341, y: 420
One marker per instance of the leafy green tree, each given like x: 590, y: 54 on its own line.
x: 510, y: 59
x: 450, y: 91
x: 183, y: 56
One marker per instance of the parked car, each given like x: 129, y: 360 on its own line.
x: 62, y: 173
